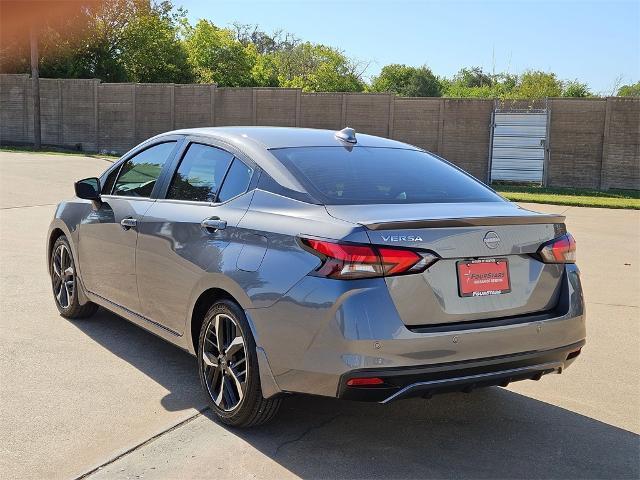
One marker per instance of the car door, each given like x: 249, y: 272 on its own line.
x: 182, y: 236
x: 108, y: 234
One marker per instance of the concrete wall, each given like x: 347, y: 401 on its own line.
x: 575, y: 140
x: 621, y: 144
x: 594, y: 143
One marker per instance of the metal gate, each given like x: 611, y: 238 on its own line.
x: 519, y: 145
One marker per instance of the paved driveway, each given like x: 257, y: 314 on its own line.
x: 75, y: 395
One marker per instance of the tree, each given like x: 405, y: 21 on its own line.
x: 318, y: 68
x: 536, y: 84
x: 576, y: 89
x: 90, y: 53
x: 472, y: 77
x: 265, y: 43
x: 152, y: 51
x: 98, y: 37
x: 471, y: 82
x: 629, y: 90
x: 407, y: 81
x: 265, y: 71
x: 216, y: 56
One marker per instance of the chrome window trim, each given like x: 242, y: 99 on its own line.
x: 123, y: 197
x: 183, y: 202
x: 199, y: 203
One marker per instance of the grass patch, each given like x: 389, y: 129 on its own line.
x: 575, y: 197
x: 56, y: 151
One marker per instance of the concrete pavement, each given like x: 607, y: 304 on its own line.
x: 77, y: 395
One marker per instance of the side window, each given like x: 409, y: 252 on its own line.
x: 200, y: 173
x: 138, y: 175
x: 236, y: 181
x: 109, y: 181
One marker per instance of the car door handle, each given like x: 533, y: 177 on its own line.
x: 128, y: 223
x: 213, y: 223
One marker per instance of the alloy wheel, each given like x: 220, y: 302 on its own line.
x: 63, y: 276
x: 224, y: 361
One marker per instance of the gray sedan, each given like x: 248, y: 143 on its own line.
x: 311, y: 261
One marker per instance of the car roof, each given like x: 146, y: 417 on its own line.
x: 255, y: 142
x: 287, y: 137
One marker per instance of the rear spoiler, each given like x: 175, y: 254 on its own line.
x: 467, y: 222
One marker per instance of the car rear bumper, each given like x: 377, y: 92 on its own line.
x: 324, y: 332
x: 464, y: 376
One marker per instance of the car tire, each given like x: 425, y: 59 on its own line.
x: 64, y: 281
x: 228, y: 368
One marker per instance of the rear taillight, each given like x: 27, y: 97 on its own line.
x: 559, y: 250
x: 350, y: 261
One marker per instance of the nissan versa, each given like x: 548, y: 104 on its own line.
x: 311, y: 261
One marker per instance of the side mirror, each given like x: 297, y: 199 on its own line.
x: 88, y: 188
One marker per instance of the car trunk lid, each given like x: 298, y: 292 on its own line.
x: 464, y: 233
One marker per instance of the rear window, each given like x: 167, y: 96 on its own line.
x: 366, y: 175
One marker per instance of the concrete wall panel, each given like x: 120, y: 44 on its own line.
x: 234, y: 106
x: 13, y: 106
x: 193, y: 104
x: 621, y: 155
x: 276, y: 106
x: 154, y: 110
x: 78, y: 102
x: 417, y: 121
x: 321, y: 110
x: 116, y: 117
x: 368, y: 113
x: 575, y: 141
x: 466, y: 133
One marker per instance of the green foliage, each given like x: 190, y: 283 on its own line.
x: 265, y: 71
x: 152, y: 52
x: 576, y: 89
x: 472, y: 77
x: 475, y: 83
x: 86, y: 52
x: 317, y: 68
x: 536, y: 84
x: 629, y: 90
x: 407, y: 81
x: 119, y: 40
x: 265, y: 43
x: 217, y: 57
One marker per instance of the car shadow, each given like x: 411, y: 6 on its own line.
x: 166, y: 364
x: 492, y: 433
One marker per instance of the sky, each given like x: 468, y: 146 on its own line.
x: 596, y: 42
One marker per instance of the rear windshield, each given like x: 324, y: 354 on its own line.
x: 367, y: 175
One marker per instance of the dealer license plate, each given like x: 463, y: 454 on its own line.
x: 480, y: 278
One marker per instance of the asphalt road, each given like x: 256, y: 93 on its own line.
x: 75, y: 395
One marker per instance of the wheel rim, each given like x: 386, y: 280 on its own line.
x: 62, y: 276
x: 224, y: 362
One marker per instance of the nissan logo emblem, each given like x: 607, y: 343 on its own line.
x: 491, y: 240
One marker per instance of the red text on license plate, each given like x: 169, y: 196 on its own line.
x: 479, y: 278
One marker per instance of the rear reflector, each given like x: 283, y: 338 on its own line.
x: 350, y: 261
x: 559, y: 250
x: 574, y: 354
x: 364, y: 382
